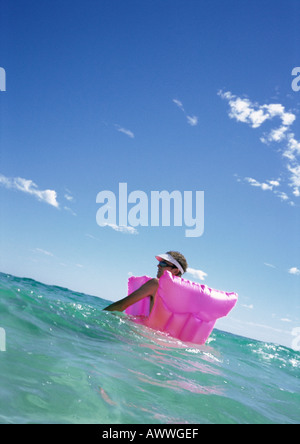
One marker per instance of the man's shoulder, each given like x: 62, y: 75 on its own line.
x: 153, y: 282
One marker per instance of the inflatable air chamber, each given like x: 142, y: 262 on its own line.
x: 186, y: 310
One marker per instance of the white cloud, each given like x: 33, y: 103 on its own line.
x: 191, y: 120
x: 254, y: 183
x: 125, y: 131
x: 268, y: 185
x: 274, y: 183
x: 294, y: 270
x: 295, y: 176
x: 69, y: 197
x: 197, y: 274
x: 243, y: 110
x: 29, y: 187
x: 282, y: 195
x: 129, y: 230
x: 276, y: 135
x: 249, y: 307
x: 296, y: 192
x: 293, y: 147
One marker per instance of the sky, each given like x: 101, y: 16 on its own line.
x: 172, y: 95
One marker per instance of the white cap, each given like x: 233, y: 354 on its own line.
x: 169, y: 258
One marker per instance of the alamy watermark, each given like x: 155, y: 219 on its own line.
x: 2, y: 79
x: 2, y: 340
x: 154, y: 211
x: 296, y: 341
x: 296, y: 80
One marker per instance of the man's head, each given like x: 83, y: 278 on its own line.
x: 172, y: 261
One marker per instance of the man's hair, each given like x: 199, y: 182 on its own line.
x: 179, y: 258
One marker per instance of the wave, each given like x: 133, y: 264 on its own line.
x: 68, y: 361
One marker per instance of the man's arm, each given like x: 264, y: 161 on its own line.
x: 148, y: 289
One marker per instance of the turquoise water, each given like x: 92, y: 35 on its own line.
x: 67, y: 361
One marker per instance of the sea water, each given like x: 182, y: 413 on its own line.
x: 65, y: 360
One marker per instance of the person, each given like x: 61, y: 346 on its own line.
x: 172, y: 261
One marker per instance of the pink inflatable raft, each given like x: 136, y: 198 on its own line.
x: 186, y: 310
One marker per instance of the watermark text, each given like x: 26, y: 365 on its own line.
x: 2, y: 79
x: 143, y: 432
x: 137, y: 209
x: 2, y: 340
x: 296, y: 80
x: 296, y: 340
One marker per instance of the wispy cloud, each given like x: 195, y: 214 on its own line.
x: 243, y: 110
x: 179, y: 104
x: 68, y: 195
x: 249, y: 307
x: 294, y: 270
x: 269, y: 265
x: 268, y: 185
x: 122, y: 229
x: 197, y: 274
x: 70, y: 211
x: 90, y: 236
x: 29, y: 187
x: 191, y: 120
x: 70, y: 198
x: 257, y: 325
x: 125, y: 131
x: 45, y: 252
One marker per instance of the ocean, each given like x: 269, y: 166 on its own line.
x: 65, y: 361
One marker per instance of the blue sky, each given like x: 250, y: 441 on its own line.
x: 161, y: 95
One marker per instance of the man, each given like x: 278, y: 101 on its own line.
x: 172, y: 261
